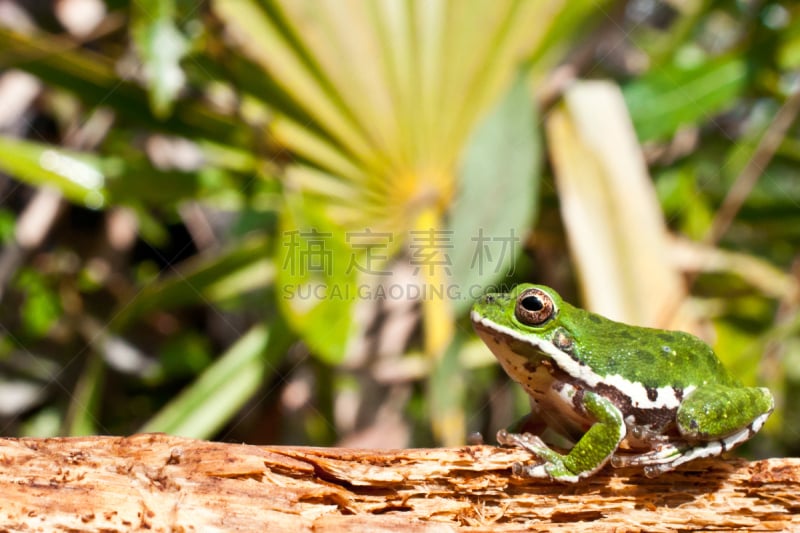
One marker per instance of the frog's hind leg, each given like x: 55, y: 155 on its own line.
x: 706, y: 449
x: 671, y: 455
x: 718, y: 412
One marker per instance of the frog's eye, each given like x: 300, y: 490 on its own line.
x: 534, y: 307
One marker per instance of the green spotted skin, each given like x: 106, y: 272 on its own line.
x: 663, y: 396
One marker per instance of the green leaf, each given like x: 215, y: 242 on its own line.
x: 96, y: 182
x: 684, y: 96
x: 316, y: 285
x: 160, y: 46
x: 244, y: 267
x: 92, y: 78
x: 499, y: 193
x: 270, y: 38
x: 209, y: 403
x: 79, y: 177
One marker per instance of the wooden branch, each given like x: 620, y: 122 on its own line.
x: 160, y: 483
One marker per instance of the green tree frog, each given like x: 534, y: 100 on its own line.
x: 630, y: 395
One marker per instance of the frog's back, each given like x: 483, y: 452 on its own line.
x: 652, y: 357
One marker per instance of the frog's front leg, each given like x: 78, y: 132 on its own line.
x: 588, y: 455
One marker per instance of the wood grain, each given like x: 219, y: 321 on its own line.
x: 159, y: 483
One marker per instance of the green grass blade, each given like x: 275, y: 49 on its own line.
x: 83, y: 411
x: 79, y: 177
x: 223, y: 388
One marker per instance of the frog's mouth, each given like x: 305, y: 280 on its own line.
x: 516, y: 351
x: 508, y: 347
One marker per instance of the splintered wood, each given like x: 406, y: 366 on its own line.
x: 159, y: 483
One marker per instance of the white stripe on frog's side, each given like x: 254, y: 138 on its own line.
x: 665, y: 397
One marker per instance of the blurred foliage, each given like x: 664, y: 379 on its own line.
x: 270, y: 217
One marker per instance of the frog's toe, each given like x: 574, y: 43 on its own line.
x: 556, y: 471
x: 526, y: 441
x: 624, y: 461
x: 537, y: 471
x: 652, y: 471
x: 663, y: 454
x: 505, y: 438
x: 657, y: 467
x: 654, y: 463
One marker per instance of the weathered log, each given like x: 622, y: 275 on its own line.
x: 159, y: 482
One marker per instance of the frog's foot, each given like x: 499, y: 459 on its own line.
x: 657, y: 462
x: 669, y: 456
x: 664, y: 454
x: 553, y: 466
x: 527, y: 441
